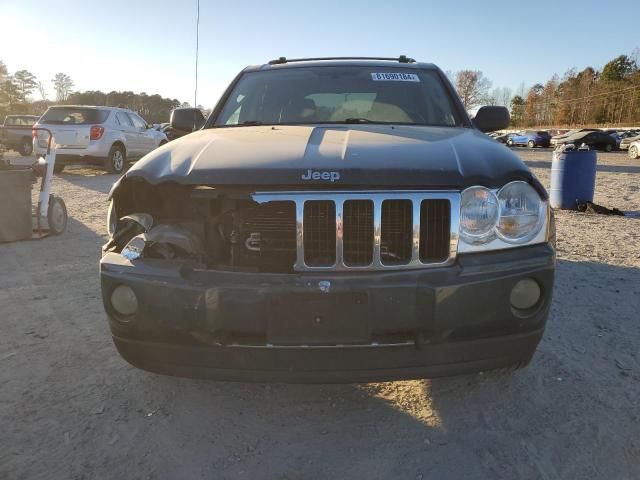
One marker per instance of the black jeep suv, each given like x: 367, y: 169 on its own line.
x: 333, y: 220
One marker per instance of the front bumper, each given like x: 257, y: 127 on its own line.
x: 369, y: 326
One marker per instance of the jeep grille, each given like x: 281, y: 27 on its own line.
x: 337, y: 231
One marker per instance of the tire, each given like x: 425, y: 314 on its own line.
x: 608, y: 147
x: 26, y: 147
x: 531, y: 144
x: 117, y: 159
x: 57, y: 215
x: 58, y: 168
x: 633, y: 152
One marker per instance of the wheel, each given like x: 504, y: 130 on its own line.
x: 531, y: 144
x: 608, y: 147
x: 116, y: 160
x: 26, y: 147
x: 58, y: 168
x: 633, y: 152
x: 57, y: 215
x: 510, y: 142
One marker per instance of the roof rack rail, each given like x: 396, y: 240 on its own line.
x: 283, y: 60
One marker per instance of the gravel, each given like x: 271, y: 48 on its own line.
x: 70, y: 407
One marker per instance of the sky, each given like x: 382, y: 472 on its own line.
x: 149, y: 46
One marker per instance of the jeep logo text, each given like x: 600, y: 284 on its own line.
x: 316, y: 175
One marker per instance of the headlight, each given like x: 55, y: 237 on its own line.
x: 490, y: 220
x: 479, y: 211
x: 521, y: 212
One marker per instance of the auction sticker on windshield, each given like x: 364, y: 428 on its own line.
x: 395, y: 77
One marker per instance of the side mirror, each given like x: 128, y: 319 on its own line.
x: 491, y: 118
x: 187, y: 119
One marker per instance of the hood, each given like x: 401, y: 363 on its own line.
x: 333, y: 156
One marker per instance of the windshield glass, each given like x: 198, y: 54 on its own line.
x: 74, y: 116
x: 350, y: 94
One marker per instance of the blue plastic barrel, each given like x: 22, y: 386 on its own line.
x: 573, y: 177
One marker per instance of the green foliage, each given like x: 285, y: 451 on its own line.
x: 62, y: 84
x: 153, y: 108
x: 618, y: 69
x: 588, y: 97
x: 25, y: 83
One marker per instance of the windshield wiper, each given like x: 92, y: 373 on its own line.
x: 251, y: 122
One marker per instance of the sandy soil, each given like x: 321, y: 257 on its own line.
x: 71, y: 408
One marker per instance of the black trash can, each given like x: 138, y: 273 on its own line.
x: 15, y: 205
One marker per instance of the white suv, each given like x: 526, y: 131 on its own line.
x: 106, y: 136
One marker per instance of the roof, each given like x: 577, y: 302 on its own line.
x: 339, y: 62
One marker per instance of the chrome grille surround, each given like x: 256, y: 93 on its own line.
x: 377, y: 197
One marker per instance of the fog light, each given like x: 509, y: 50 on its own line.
x: 124, y: 301
x: 525, y: 294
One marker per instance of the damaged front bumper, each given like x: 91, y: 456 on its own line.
x: 329, y: 327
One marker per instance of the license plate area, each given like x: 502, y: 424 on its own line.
x: 319, y: 319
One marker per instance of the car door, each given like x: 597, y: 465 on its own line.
x: 125, y: 125
x: 521, y: 138
x: 604, y: 140
x: 145, y: 138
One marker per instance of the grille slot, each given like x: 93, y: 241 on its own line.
x: 276, y: 224
x: 358, y: 233
x: 371, y: 230
x: 397, y: 232
x: 435, y: 235
x: 319, y: 233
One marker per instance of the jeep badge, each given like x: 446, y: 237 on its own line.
x: 316, y: 175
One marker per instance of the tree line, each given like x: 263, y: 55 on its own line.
x: 606, y: 97
x: 610, y: 96
x: 16, y: 92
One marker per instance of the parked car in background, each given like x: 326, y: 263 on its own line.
x: 105, y: 136
x: 560, y: 139
x: 172, y: 133
x: 501, y: 137
x: 530, y: 138
x: 15, y: 133
x: 594, y: 139
x: 627, y: 140
x: 634, y: 148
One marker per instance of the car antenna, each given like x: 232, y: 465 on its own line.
x: 195, y: 93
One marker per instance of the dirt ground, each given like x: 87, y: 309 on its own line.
x: 71, y: 408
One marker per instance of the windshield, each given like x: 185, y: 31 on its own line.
x: 350, y: 94
x: 74, y: 116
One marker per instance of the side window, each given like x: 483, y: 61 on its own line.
x: 10, y: 121
x: 123, y: 119
x: 138, y: 122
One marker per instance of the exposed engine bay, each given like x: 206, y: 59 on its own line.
x: 219, y: 229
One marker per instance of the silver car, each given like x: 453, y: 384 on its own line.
x: 626, y: 142
x: 634, y: 149
x: 105, y: 136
